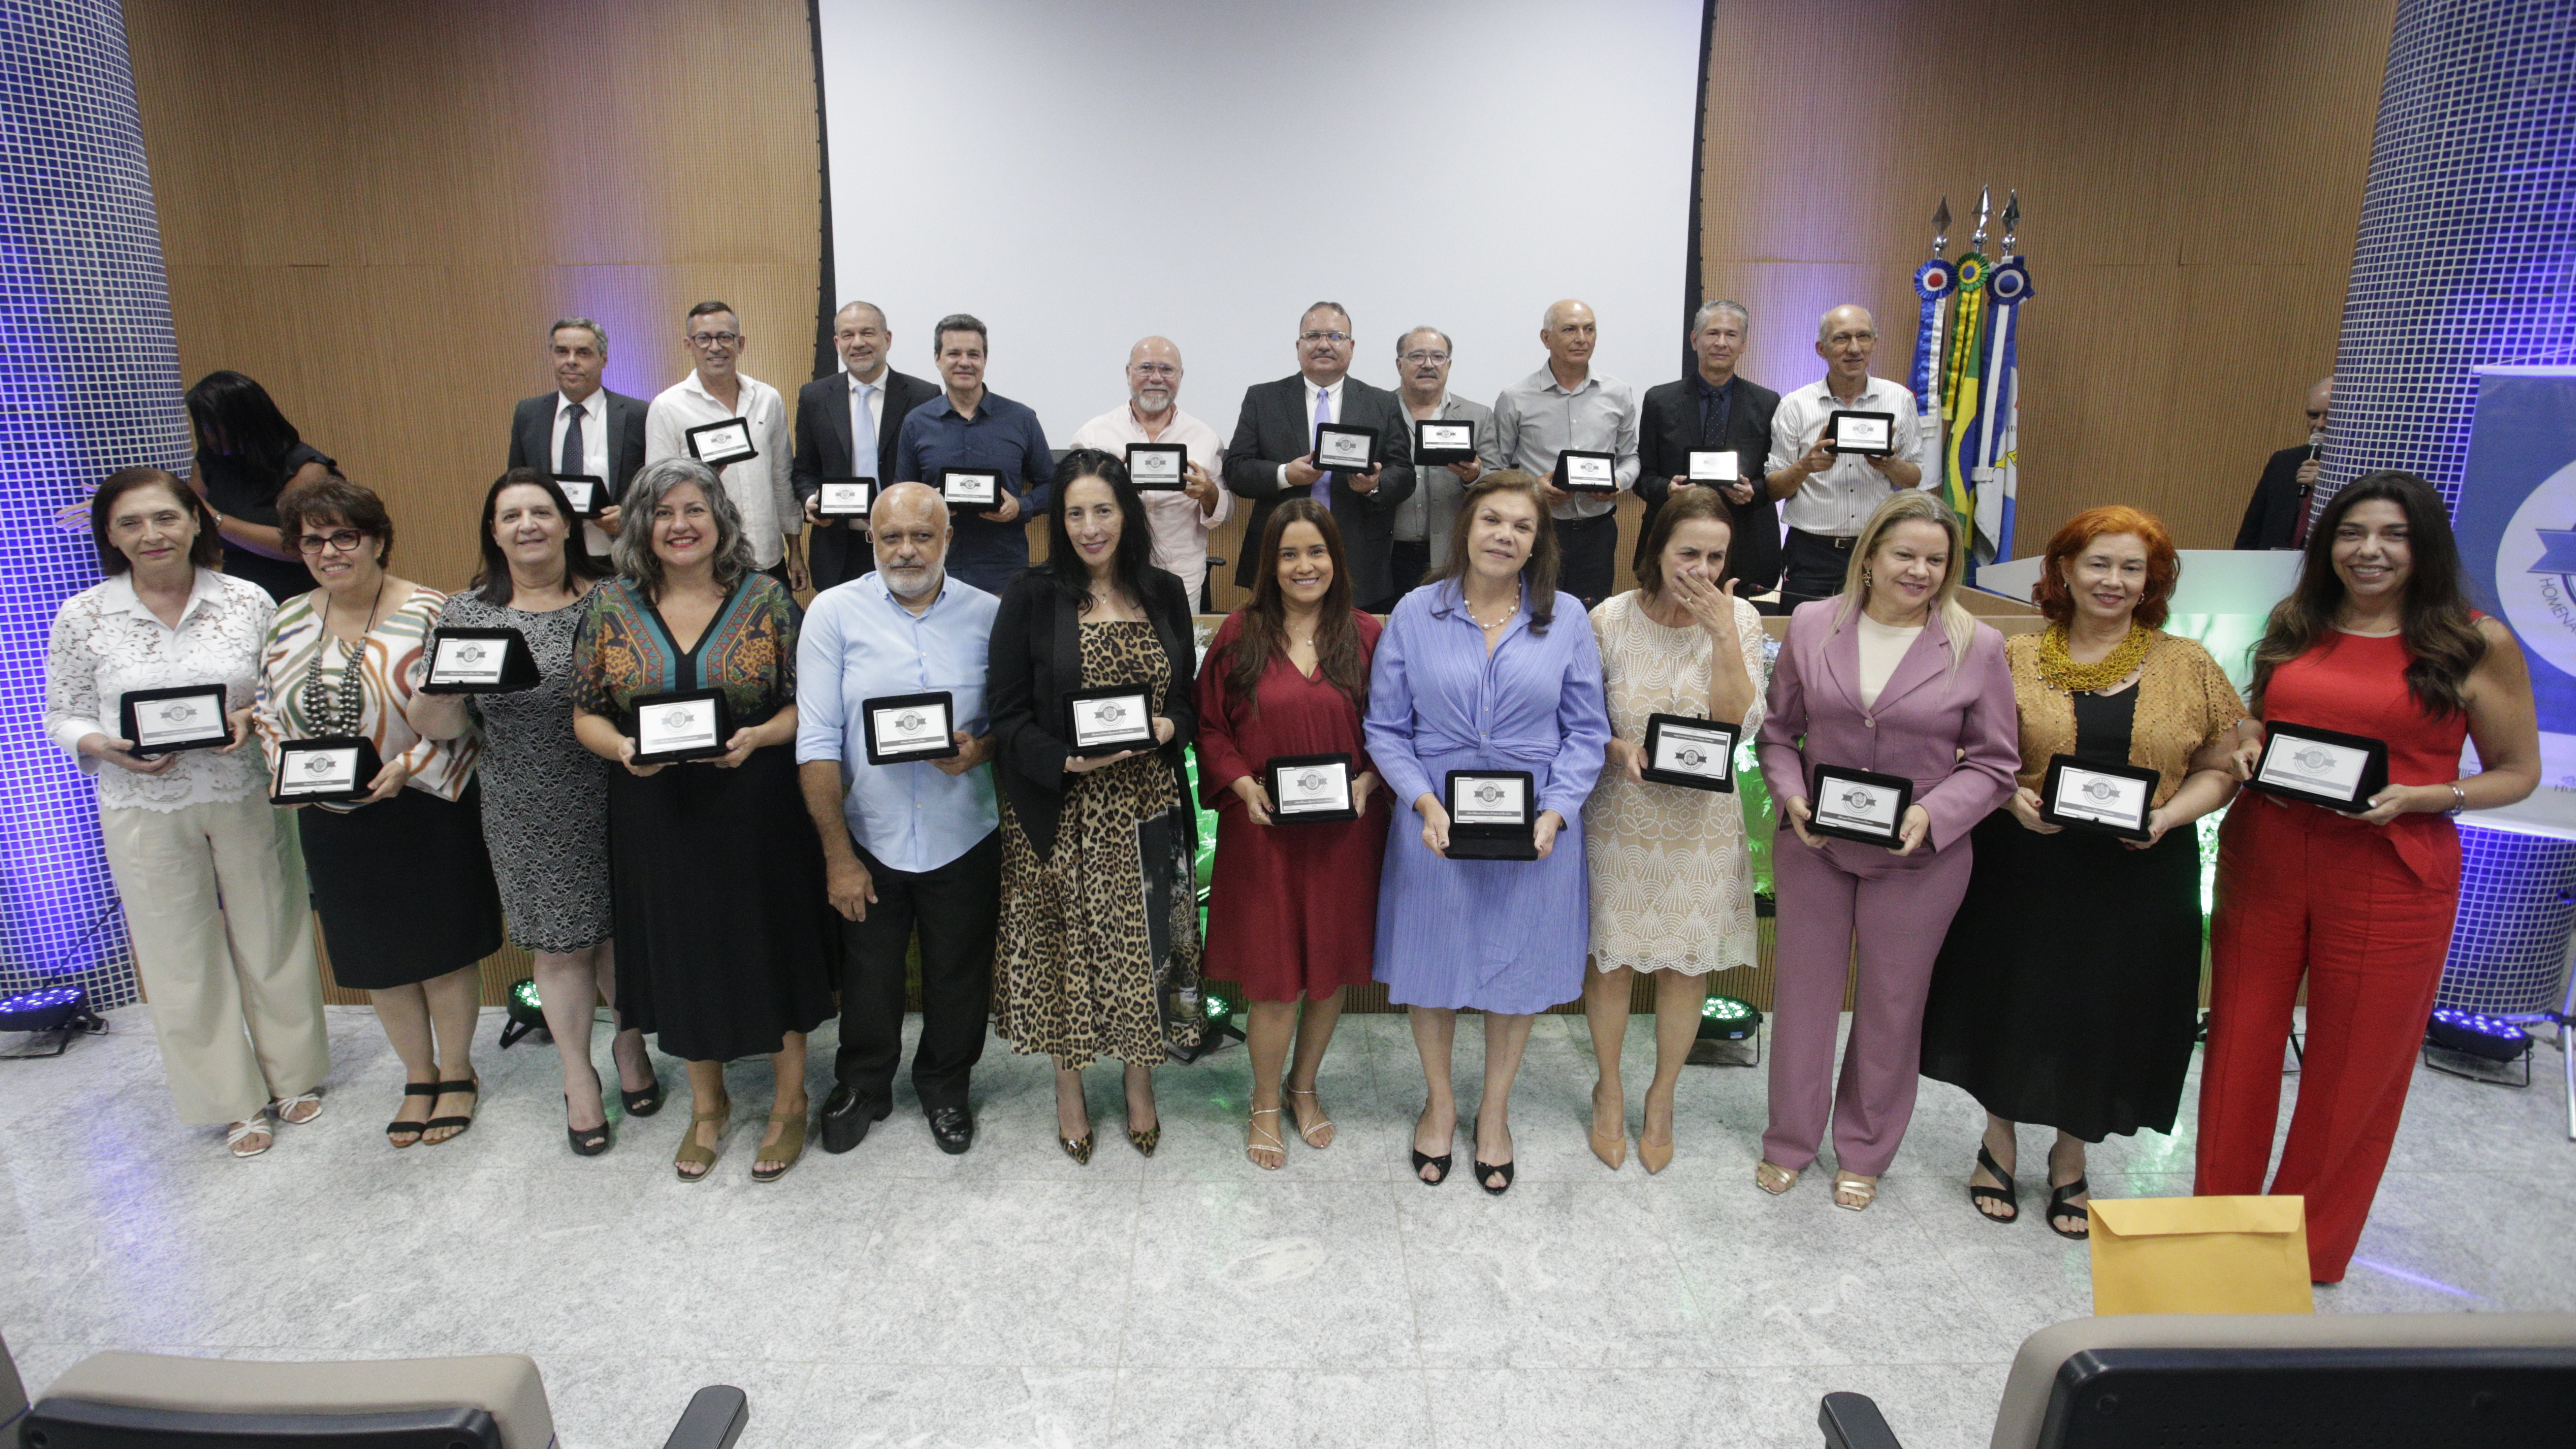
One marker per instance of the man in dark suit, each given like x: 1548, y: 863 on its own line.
x: 2277, y: 515
x: 1716, y: 410
x: 827, y: 432
x: 581, y: 427
x: 1272, y: 455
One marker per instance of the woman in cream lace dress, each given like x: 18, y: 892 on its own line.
x: 1672, y: 884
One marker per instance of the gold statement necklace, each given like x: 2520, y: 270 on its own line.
x: 2059, y: 671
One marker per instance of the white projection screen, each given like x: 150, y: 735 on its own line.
x: 1080, y: 175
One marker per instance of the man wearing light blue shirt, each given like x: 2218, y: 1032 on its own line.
x: 908, y: 844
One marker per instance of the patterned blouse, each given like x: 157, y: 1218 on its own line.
x: 107, y: 642
x: 388, y: 669
x: 625, y: 652
x: 2184, y: 702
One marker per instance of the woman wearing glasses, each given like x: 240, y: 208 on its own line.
x: 400, y: 876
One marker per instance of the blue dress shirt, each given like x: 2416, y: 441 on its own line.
x: 861, y: 643
x: 1003, y: 435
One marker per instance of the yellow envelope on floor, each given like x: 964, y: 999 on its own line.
x: 2201, y: 1255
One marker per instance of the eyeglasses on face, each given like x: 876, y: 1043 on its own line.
x: 1417, y: 357
x: 1333, y: 337
x: 339, y: 540
x: 1154, y: 369
x: 714, y: 339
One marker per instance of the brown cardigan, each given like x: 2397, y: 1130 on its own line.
x: 2184, y: 702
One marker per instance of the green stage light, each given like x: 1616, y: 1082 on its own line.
x: 527, y: 1013
x: 1728, y: 1018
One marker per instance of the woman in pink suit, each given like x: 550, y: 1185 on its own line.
x: 1892, y: 676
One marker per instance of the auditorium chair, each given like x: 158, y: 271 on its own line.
x: 2421, y: 1380
x: 153, y: 1401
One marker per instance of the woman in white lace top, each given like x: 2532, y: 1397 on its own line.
x: 212, y: 878
x: 1672, y: 884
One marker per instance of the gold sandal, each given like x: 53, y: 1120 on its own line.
x: 1766, y: 1172
x: 1863, y: 1188
x: 1306, y: 1133
x: 1253, y: 1142
x: 690, y: 1153
x: 789, y: 1147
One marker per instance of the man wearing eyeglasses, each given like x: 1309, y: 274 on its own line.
x: 582, y: 427
x: 1273, y: 454
x: 1180, y: 521
x: 2277, y: 515
x: 1423, y: 521
x: 1830, y: 496
x: 715, y: 391
x: 1567, y: 406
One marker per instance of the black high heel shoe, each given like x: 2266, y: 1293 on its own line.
x: 1502, y: 1170
x: 1422, y: 1159
x: 640, y: 1104
x: 586, y: 1141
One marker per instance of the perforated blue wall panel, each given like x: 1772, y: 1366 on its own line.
x: 2466, y: 257
x: 89, y: 383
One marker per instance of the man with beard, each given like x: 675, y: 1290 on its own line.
x: 1180, y: 521
x: 846, y: 427
x: 1272, y: 455
x: 913, y: 843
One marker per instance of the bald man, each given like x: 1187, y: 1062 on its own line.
x: 1180, y: 521
x: 1830, y: 496
x: 911, y: 844
x: 846, y: 426
x: 2277, y: 515
x: 1566, y: 405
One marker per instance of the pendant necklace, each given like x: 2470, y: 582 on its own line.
x: 336, y: 704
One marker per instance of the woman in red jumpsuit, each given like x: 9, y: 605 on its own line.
x: 2376, y: 640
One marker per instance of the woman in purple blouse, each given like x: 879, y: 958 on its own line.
x: 1485, y: 667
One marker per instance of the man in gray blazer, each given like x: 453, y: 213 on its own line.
x: 1423, y: 522
x: 1272, y: 455
x: 827, y: 437
x: 581, y: 427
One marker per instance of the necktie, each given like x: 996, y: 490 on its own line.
x: 572, y: 449
x: 863, y: 433
x: 1714, y: 405
x: 1321, y: 490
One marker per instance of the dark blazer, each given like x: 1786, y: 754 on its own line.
x: 532, y: 436
x: 1668, y: 428
x: 2272, y: 515
x: 838, y: 551
x: 1278, y: 427
x: 1037, y: 661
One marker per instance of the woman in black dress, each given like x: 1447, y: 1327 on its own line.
x: 724, y: 934
x: 248, y: 454
x: 2068, y: 989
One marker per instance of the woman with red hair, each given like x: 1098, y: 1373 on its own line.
x: 2067, y: 991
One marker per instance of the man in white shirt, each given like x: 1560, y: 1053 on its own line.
x: 716, y: 390
x: 1180, y: 521
x: 1831, y: 496
x: 582, y: 427
x: 1566, y: 406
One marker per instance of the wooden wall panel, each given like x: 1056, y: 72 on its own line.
x: 2191, y: 176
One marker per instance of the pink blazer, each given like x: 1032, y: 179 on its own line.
x: 1957, y: 736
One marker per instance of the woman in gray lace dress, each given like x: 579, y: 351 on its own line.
x: 545, y: 798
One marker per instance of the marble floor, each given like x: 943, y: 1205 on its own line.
x: 896, y: 1296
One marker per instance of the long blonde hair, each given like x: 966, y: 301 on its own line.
x: 1901, y: 506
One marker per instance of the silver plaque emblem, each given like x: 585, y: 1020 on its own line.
x: 2099, y: 789
x: 1111, y: 712
x: 322, y: 765
x: 1859, y: 797
x: 908, y: 721
x: 1311, y: 780
x: 2314, y: 757
x: 1488, y: 793
x: 1691, y: 758
x: 471, y: 653
x: 678, y: 719
x: 178, y: 712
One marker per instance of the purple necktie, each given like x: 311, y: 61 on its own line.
x: 1321, y: 490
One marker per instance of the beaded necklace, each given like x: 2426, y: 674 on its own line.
x: 2059, y: 671
x: 336, y: 705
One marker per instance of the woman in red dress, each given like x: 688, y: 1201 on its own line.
x: 2375, y: 641
x: 1292, y: 914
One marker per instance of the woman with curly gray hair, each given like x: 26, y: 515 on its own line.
x: 723, y: 933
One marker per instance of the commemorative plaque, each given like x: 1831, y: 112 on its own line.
x: 2323, y: 767
x: 1713, y: 465
x: 1345, y: 450
x: 1107, y: 720
x: 1867, y: 435
x: 166, y: 721
x: 2113, y: 798
x: 479, y: 661
x: 1581, y: 472
x: 335, y: 768
x: 844, y: 497
x: 971, y: 490
x: 685, y: 725
x: 1437, y: 442
x: 1697, y: 754
x: 1859, y: 805
x: 586, y: 492
x: 721, y: 445
x: 1158, y: 467
x: 1490, y: 815
x: 905, y: 727
x: 1309, y: 787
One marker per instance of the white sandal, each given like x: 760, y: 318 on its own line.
x: 285, y: 1105
x: 1307, y: 1134
x: 240, y: 1132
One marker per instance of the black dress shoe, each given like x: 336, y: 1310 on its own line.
x: 847, y: 1117
x: 953, y: 1128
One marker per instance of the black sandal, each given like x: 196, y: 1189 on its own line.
x: 407, y: 1124
x: 1502, y: 1170
x: 644, y: 1103
x: 2007, y: 1194
x: 473, y: 1085
x: 586, y: 1141
x: 2058, y: 1207
x: 1422, y: 1159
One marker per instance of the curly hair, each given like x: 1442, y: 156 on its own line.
x: 334, y: 499
x: 633, y: 553
x: 2440, y: 631
x: 2164, y: 565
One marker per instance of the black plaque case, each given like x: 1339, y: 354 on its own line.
x: 369, y: 765
x: 1655, y: 724
x: 724, y: 726
x: 1492, y: 842
x: 129, y: 724
x: 868, y: 724
x: 1279, y: 766
x: 2374, y: 774
x: 1112, y: 691
x: 1180, y: 455
x: 722, y: 457
x: 518, y: 665
x: 1904, y: 802
x: 2057, y: 768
